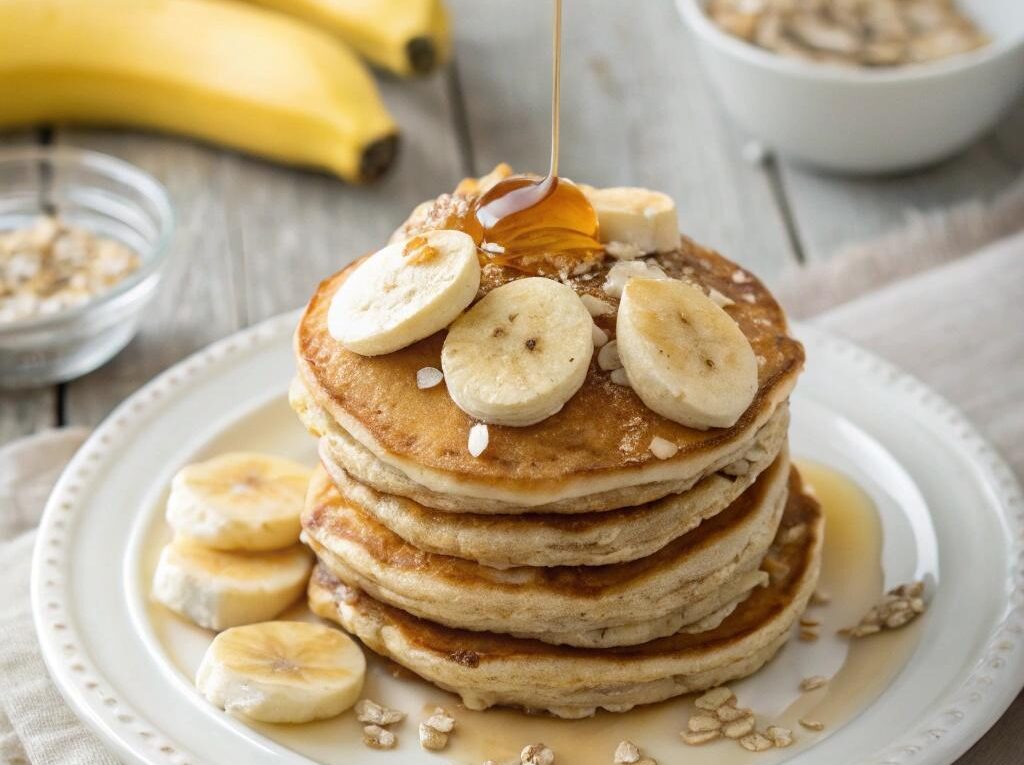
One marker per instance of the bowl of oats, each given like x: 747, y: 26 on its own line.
x: 83, y: 243
x: 862, y: 86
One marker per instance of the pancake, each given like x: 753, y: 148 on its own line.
x: 558, y: 539
x: 592, y: 455
x: 339, y: 451
x: 535, y: 600
x: 488, y: 669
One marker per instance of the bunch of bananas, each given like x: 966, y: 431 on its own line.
x: 280, y: 81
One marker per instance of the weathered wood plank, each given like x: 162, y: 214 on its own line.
x: 197, y: 302
x: 831, y: 212
x: 294, y: 228
x: 635, y: 111
x: 25, y: 412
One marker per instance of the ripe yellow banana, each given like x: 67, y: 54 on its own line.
x: 219, y: 71
x: 404, y: 36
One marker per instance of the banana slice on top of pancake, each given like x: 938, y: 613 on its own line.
x: 685, y: 357
x: 405, y: 292
x: 520, y: 353
x: 239, y: 501
x: 282, y: 672
x: 645, y: 219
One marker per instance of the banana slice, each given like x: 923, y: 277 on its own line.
x: 642, y: 218
x: 217, y: 589
x: 405, y: 292
x: 239, y: 501
x: 684, y: 356
x: 282, y: 672
x: 519, y: 354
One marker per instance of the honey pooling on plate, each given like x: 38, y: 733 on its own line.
x: 537, y: 225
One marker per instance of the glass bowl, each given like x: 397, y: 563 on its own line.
x: 108, y: 197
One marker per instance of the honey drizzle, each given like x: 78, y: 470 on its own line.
x: 535, y: 225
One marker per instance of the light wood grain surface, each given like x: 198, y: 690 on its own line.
x: 253, y: 239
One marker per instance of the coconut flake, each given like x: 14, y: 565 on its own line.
x: 623, y: 250
x: 608, y: 357
x: 428, y: 377
x: 625, y: 270
x: 663, y: 448
x: 479, y: 437
x: 719, y: 299
x: 597, y: 307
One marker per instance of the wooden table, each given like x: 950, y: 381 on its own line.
x: 253, y: 239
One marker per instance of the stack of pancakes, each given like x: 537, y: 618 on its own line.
x: 567, y: 568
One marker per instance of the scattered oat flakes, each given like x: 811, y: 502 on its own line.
x: 703, y: 723
x: 662, y: 448
x: 493, y: 247
x: 728, y: 713
x: 776, y: 568
x: 626, y: 753
x: 428, y: 377
x: 811, y: 724
x: 781, y: 737
x: 809, y: 621
x: 368, y: 711
x: 739, y: 728
x: 693, y: 738
x: 809, y: 635
x: 479, y: 437
x: 813, y: 683
x: 619, y: 377
x: 440, y: 720
x: 536, y: 754
x: 431, y: 738
x: 756, y: 742
x: 377, y: 737
x: 898, y: 608
x: 713, y: 699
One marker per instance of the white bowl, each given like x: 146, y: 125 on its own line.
x: 867, y: 120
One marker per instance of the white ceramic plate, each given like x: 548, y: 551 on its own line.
x: 950, y: 509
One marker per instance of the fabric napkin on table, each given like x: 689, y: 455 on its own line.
x: 952, y: 318
x: 36, y: 726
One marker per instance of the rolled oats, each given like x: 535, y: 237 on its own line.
x: 377, y: 737
x: 696, y: 738
x: 703, y: 723
x: 729, y: 713
x: 781, y: 737
x: 51, y: 266
x: 811, y: 724
x: 536, y: 754
x: 368, y: 711
x: 626, y: 753
x: 898, y: 608
x: 739, y: 728
x: 713, y: 699
x: 813, y: 683
x: 440, y: 720
x: 432, y: 738
x: 756, y: 742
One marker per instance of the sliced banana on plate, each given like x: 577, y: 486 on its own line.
x: 639, y: 217
x: 239, y: 501
x: 684, y: 356
x: 405, y: 292
x: 520, y: 353
x: 217, y: 589
x: 282, y: 672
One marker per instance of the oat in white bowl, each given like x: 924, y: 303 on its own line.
x: 860, y: 119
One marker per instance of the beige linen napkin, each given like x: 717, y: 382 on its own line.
x: 36, y: 726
